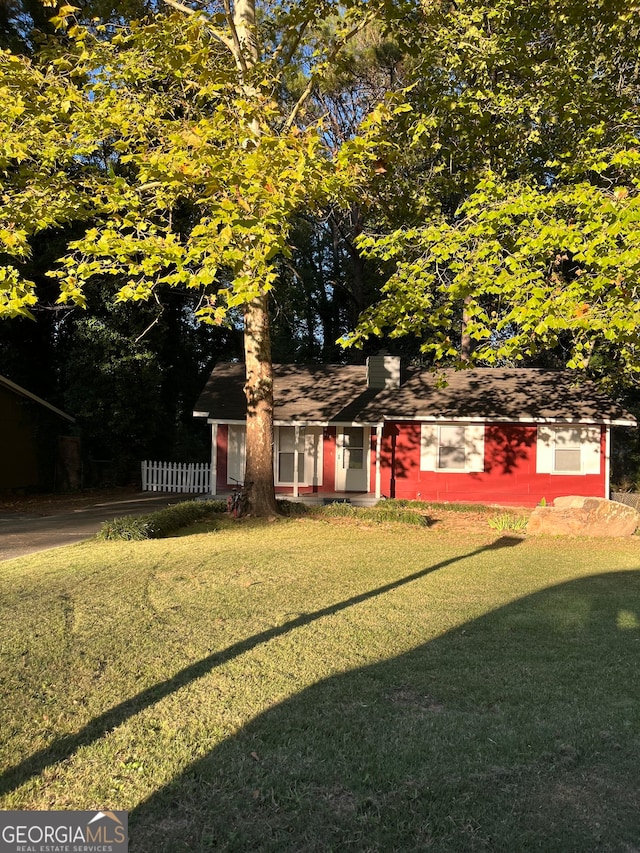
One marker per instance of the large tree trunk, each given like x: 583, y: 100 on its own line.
x: 258, y: 388
x: 259, y: 392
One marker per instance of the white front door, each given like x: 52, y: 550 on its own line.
x: 352, y: 459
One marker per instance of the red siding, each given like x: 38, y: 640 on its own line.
x: 509, y: 477
x: 221, y: 457
x: 329, y: 459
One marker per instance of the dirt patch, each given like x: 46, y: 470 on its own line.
x: 473, y: 521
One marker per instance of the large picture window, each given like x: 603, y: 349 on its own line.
x: 452, y: 447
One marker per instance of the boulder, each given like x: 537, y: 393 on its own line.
x: 580, y: 516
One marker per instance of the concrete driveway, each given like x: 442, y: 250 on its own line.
x: 26, y: 533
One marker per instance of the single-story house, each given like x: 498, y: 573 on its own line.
x: 39, y: 449
x: 507, y: 436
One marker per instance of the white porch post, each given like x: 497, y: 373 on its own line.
x: 607, y: 462
x: 296, y: 436
x: 213, y: 474
x: 378, y: 446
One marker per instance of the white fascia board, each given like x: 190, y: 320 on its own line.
x: 359, y: 423
x: 504, y: 420
x: 301, y: 423
x: 200, y: 414
x: 621, y: 422
x: 328, y: 423
x: 222, y: 421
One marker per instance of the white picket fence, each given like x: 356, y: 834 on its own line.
x: 192, y: 477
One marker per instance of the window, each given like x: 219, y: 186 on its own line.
x: 452, y: 447
x: 309, y: 452
x: 353, y: 446
x: 309, y: 455
x: 568, y: 450
x: 285, y: 466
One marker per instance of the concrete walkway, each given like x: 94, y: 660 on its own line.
x: 22, y: 534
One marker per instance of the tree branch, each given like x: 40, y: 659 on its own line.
x: 332, y: 55
x: 291, y: 46
x: 237, y: 51
x: 221, y: 37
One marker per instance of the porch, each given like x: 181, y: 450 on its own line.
x: 315, y: 499
x: 319, y: 498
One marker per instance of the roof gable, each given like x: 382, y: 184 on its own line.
x: 18, y: 389
x: 339, y: 394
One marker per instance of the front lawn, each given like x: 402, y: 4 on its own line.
x: 327, y: 685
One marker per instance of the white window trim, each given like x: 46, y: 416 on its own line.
x: 474, y: 436
x: 590, y: 438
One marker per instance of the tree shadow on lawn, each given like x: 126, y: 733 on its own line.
x: 66, y: 746
x: 516, y: 732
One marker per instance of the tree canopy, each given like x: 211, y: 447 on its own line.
x: 473, y: 166
x: 523, y: 141
x: 182, y: 143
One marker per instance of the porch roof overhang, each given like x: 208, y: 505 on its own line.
x: 280, y: 423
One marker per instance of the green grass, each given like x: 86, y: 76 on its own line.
x: 483, y: 509
x: 320, y: 685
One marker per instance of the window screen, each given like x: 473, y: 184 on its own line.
x: 451, y: 448
x: 286, y: 451
x: 567, y: 450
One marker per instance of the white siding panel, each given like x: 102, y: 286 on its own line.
x: 591, y: 450
x: 428, y: 447
x: 474, y: 440
x: 236, y: 454
x: 544, y: 450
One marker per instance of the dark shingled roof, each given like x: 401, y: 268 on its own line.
x: 333, y: 393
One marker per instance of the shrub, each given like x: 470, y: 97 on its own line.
x: 215, y: 506
x: 383, y: 512
x: 131, y: 528
x: 506, y: 521
x: 157, y: 524
x: 292, y: 509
